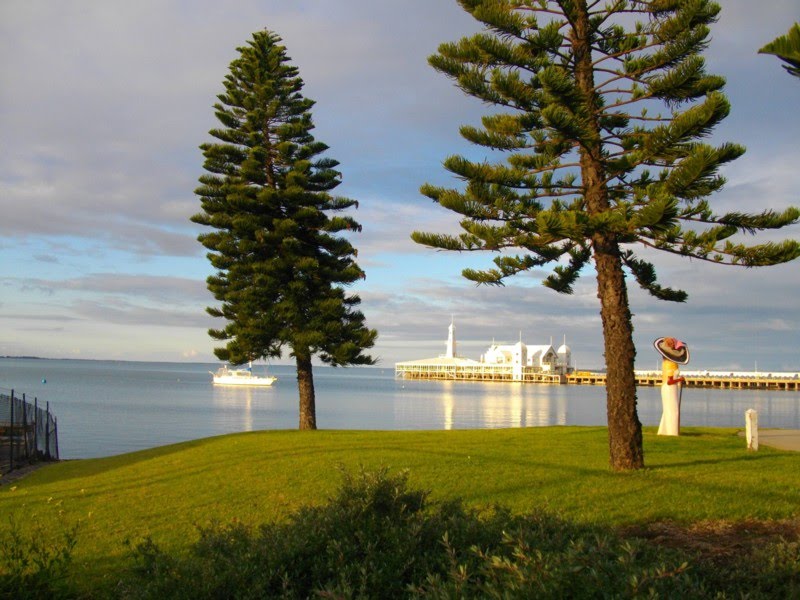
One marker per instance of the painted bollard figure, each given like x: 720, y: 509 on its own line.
x: 675, y: 353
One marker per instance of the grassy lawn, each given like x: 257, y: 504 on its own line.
x: 706, y: 474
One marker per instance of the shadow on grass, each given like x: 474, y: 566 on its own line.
x: 57, y: 472
x: 744, y: 458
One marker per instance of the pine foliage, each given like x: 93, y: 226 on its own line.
x: 643, y: 118
x: 281, y: 261
x: 787, y: 48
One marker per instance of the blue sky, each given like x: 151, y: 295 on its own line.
x: 103, y: 106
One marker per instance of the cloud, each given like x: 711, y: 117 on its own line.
x: 46, y: 258
x: 759, y: 181
x: 109, y: 300
x: 113, y: 154
x: 122, y: 312
x: 105, y: 103
x: 36, y: 317
x: 155, y: 288
x: 414, y: 323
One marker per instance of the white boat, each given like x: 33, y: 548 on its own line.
x: 241, y: 376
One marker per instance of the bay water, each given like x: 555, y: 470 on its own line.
x: 111, y: 407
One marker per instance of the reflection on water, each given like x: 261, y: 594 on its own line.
x: 448, y: 403
x: 726, y: 408
x: 236, y: 401
x: 235, y: 405
x: 471, y: 405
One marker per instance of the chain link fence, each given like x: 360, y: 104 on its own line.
x: 28, y: 432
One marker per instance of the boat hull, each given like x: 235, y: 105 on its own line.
x: 257, y: 381
x: 242, y: 377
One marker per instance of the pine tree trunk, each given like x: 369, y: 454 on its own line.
x: 305, y: 385
x: 624, y: 428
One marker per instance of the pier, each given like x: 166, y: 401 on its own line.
x: 453, y: 371
x: 789, y: 382
x: 522, y: 363
x: 474, y: 372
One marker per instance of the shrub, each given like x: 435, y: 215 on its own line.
x: 770, y: 570
x: 34, y: 565
x: 589, y: 566
x: 376, y: 538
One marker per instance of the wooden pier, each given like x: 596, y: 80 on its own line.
x: 474, y: 372
x: 454, y: 371
x: 766, y: 382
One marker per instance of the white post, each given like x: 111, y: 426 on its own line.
x: 751, y: 428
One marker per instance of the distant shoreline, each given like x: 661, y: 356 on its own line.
x: 694, y: 372
x: 176, y: 362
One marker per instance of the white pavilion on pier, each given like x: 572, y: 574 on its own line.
x: 541, y: 357
x: 501, y: 362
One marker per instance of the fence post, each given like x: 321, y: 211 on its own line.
x: 55, y: 433
x: 11, y: 436
x: 36, y: 425
x: 47, y: 433
x: 25, y: 454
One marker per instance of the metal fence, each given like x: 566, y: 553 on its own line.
x: 28, y: 433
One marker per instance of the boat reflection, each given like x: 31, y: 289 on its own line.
x: 235, y: 405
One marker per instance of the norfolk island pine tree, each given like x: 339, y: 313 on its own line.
x: 604, y: 106
x: 787, y: 48
x: 281, y: 268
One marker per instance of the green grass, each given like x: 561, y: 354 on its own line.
x: 165, y: 493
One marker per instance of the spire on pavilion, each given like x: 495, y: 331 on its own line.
x: 451, y: 339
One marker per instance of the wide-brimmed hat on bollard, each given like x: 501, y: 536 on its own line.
x: 672, y: 349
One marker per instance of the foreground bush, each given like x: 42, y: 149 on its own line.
x: 32, y: 566
x: 379, y: 539
x: 373, y: 539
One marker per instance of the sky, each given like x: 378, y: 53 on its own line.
x: 103, y: 106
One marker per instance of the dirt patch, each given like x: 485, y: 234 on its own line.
x: 21, y: 472
x: 717, y: 540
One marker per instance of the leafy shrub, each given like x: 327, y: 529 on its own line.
x: 771, y: 570
x: 378, y: 539
x: 373, y: 539
x: 34, y: 566
x: 589, y: 566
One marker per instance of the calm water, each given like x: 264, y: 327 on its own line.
x: 109, y: 407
